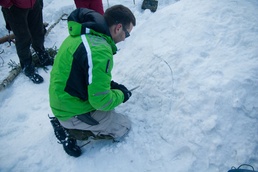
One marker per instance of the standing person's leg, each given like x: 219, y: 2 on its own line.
x: 35, y: 24
x: 97, y: 5
x: 36, y: 27
x: 17, y: 19
x: 82, y: 3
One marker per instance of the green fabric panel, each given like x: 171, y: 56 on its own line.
x: 74, y: 28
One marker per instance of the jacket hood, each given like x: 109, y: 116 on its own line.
x: 82, y: 20
x: 86, y: 21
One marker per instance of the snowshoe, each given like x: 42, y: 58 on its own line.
x: 150, y: 4
x: 69, y: 144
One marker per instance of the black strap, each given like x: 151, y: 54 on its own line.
x: 86, y: 118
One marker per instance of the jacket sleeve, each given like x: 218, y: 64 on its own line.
x: 106, y: 99
x: 100, y: 95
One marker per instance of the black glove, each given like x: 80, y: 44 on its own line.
x: 126, y: 92
x: 114, y: 85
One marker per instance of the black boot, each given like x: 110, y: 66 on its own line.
x: 44, y: 58
x: 29, y: 71
x: 71, y: 148
x: 150, y: 4
x: 69, y: 144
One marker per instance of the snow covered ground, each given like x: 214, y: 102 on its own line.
x: 196, y: 109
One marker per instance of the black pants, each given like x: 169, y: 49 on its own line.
x: 27, y: 26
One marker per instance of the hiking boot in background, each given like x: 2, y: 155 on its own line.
x: 69, y: 144
x: 150, y: 4
x: 44, y: 58
x: 29, y: 71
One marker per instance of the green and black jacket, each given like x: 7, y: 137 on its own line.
x: 81, y: 74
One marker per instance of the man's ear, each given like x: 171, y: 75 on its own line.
x: 118, y: 27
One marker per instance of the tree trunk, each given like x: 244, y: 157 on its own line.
x: 7, y: 38
x: 9, y: 79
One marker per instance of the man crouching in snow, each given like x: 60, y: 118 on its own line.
x: 82, y: 93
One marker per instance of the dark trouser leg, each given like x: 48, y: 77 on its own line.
x: 82, y: 4
x: 97, y: 5
x: 17, y: 19
x: 36, y: 28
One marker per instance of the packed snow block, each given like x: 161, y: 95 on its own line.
x: 150, y: 4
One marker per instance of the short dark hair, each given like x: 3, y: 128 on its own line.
x: 119, y: 14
